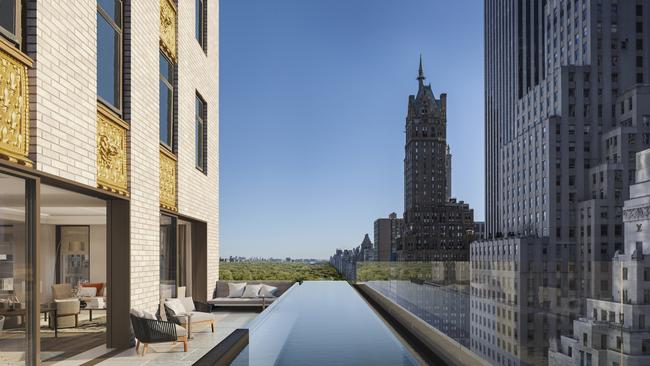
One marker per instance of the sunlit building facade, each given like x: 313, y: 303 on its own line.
x: 108, y: 161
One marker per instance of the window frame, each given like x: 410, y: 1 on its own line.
x: 120, y: 52
x: 170, y: 85
x: 16, y: 36
x: 202, y: 35
x: 201, y: 118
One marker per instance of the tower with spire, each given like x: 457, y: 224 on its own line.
x: 436, y: 226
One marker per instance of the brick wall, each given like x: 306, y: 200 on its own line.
x: 63, y: 82
x: 144, y: 142
x: 63, y: 99
x: 198, y: 193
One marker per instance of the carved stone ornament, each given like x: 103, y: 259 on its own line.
x: 637, y: 213
x: 168, y: 28
x: 112, y: 173
x: 167, y: 181
x: 14, y: 109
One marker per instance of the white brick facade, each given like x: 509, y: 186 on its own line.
x: 65, y: 95
x: 62, y: 40
x: 199, y: 72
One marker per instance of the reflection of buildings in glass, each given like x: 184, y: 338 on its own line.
x: 616, y: 331
x: 444, y: 305
x: 523, y: 293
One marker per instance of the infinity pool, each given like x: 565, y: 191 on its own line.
x: 322, y: 323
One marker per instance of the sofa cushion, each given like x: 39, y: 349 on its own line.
x: 99, y: 286
x: 87, y: 291
x: 180, y: 331
x: 236, y: 289
x: 188, y: 304
x: 198, y: 316
x: 148, y: 315
x: 252, y: 291
x: 235, y: 301
x: 267, y: 291
x: 137, y: 313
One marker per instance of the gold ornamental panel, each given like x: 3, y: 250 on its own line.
x: 14, y: 105
x: 112, y: 170
x: 167, y: 180
x: 168, y: 28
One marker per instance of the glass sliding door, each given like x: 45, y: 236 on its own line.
x: 185, y: 256
x: 168, y: 257
x: 16, y: 284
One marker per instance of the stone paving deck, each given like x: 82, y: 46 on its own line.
x: 168, y: 354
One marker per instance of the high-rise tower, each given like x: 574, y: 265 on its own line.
x: 436, y: 228
x: 566, y: 109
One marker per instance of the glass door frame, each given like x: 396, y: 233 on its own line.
x: 32, y: 222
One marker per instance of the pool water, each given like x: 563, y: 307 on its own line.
x: 322, y: 323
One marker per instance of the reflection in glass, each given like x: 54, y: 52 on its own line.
x: 168, y: 257
x: 14, y: 272
x: 166, y: 100
x: 109, y: 50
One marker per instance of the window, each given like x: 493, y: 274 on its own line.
x: 168, y: 257
x: 109, y: 52
x: 201, y: 146
x: 166, y: 101
x: 200, y: 31
x: 10, y: 20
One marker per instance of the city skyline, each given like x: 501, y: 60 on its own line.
x: 352, y: 149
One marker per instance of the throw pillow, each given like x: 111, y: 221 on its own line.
x: 252, y: 291
x: 148, y: 315
x: 176, y: 306
x: 87, y: 292
x: 236, y: 289
x: 267, y: 291
x: 188, y: 304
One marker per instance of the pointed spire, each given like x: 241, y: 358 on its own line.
x: 421, y: 73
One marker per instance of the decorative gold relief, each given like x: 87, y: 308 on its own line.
x: 168, y: 28
x: 167, y: 180
x: 14, y: 105
x: 111, y: 152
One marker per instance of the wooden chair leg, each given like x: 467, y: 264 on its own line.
x: 212, y: 325
x: 76, y: 320
x: 137, y: 346
x: 183, y: 339
x: 144, y: 349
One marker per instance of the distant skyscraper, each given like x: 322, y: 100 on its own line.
x: 436, y: 228
x: 387, y: 234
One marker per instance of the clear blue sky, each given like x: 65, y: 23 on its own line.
x: 313, y: 103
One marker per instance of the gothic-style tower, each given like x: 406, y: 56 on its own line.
x: 435, y: 226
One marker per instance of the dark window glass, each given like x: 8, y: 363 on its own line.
x: 8, y: 15
x: 166, y: 100
x: 200, y: 133
x: 199, y: 22
x: 109, y: 52
x: 168, y: 254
